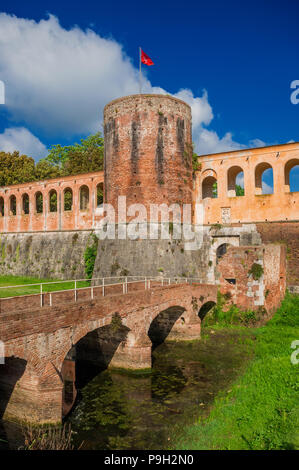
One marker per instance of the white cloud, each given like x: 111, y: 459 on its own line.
x: 207, y: 141
x: 58, y: 81
x: 257, y: 143
x: 240, y: 179
x: 21, y: 139
x: 201, y: 109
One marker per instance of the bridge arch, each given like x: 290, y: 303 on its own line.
x: 11, y: 371
x: 21, y: 376
x: 91, y: 352
x: 205, y: 308
x: 163, y: 323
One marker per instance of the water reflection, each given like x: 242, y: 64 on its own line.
x: 117, y: 411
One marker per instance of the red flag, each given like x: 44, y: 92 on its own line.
x: 145, y: 59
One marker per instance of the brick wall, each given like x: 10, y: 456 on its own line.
x: 41, y: 339
x: 63, y: 217
x: 286, y: 233
x: 148, y: 150
x: 249, y: 293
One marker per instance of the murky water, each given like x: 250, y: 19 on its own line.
x: 117, y: 411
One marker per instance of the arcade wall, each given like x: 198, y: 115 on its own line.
x: 215, y: 185
x: 68, y: 203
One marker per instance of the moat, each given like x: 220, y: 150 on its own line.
x: 118, y: 411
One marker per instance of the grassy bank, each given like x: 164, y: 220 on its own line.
x: 26, y: 289
x: 261, y: 409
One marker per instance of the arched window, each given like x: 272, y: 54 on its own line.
x: 39, y: 202
x: 1, y: 206
x: 25, y: 204
x: 68, y: 199
x: 52, y: 201
x: 291, y: 174
x: 13, y: 205
x: 100, y: 194
x: 221, y: 250
x: 84, y: 198
x: 235, y: 181
x: 264, y: 178
x: 209, y: 187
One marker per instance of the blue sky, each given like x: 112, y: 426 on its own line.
x: 232, y: 61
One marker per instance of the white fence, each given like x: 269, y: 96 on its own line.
x: 91, y: 284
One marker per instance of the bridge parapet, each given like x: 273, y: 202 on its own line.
x: 97, y: 288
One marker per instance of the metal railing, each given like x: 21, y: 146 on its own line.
x: 97, y: 283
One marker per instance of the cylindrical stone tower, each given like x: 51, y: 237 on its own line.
x: 148, y: 150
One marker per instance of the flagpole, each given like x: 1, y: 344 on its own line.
x: 140, y: 77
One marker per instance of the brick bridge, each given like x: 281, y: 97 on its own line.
x: 45, y: 344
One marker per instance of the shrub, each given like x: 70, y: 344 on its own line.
x: 256, y: 271
x: 90, y: 255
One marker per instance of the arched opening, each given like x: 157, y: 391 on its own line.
x: 263, y: 179
x: 209, y: 187
x: 67, y: 199
x: 205, y: 308
x: 25, y: 204
x: 39, y: 202
x: 10, y: 373
x: 291, y: 173
x: 52, y: 201
x: 162, y: 325
x: 13, y: 205
x: 235, y: 181
x: 90, y: 356
x: 221, y: 250
x: 1, y: 207
x: 84, y: 198
x: 100, y: 194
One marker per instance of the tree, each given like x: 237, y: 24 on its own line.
x: 74, y: 159
x: 239, y: 190
x: 16, y: 168
x: 44, y: 170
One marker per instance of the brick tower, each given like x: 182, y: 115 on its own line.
x: 148, y: 150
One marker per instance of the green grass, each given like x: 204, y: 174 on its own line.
x: 261, y: 409
x: 19, y: 280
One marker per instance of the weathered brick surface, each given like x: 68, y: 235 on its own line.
x: 286, y: 233
x: 248, y: 293
x: 148, y: 149
x: 254, y: 206
x: 43, y: 336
